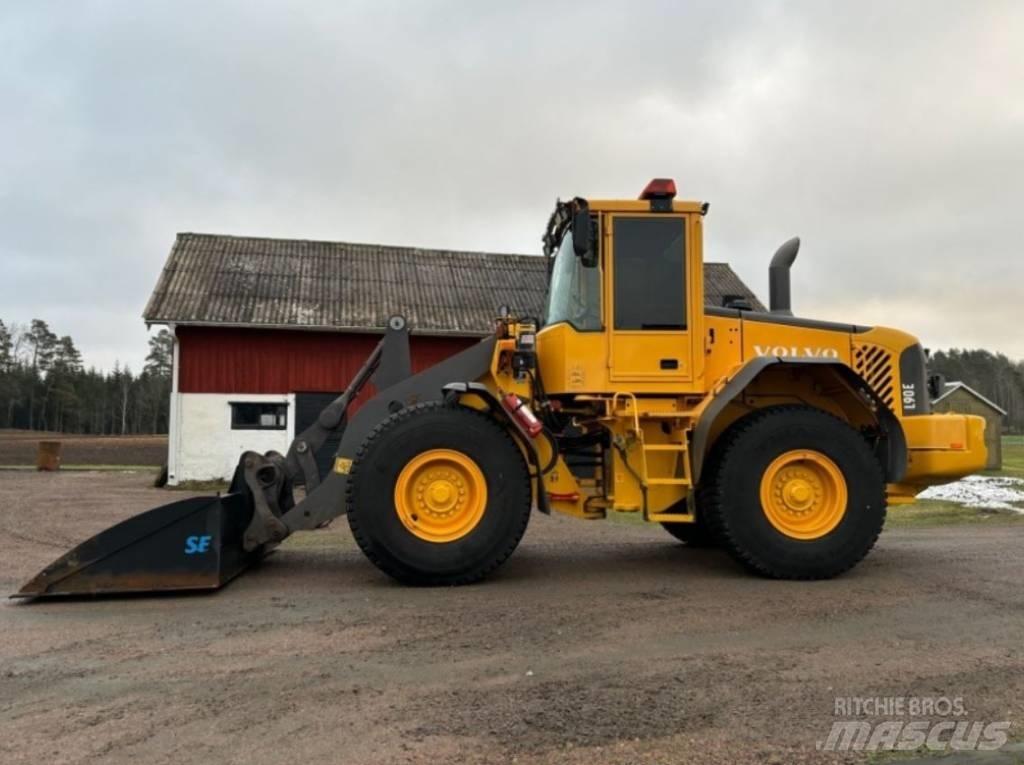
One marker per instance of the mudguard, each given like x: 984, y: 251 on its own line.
x: 894, y: 458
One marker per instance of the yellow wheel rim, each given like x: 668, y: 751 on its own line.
x: 803, y: 494
x: 440, y: 495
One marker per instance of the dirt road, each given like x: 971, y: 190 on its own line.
x: 597, y: 643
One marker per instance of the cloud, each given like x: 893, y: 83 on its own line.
x: 887, y: 136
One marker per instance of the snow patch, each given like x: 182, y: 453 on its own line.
x: 990, y: 492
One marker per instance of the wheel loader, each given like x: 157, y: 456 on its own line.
x: 780, y: 439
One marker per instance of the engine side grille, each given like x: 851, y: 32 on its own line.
x: 875, y: 365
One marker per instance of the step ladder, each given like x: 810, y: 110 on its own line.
x: 647, y: 480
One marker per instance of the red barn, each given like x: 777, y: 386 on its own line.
x: 267, y: 331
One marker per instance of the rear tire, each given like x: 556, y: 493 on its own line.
x: 465, y: 455
x: 794, y: 493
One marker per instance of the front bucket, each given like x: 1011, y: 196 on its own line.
x: 194, y: 544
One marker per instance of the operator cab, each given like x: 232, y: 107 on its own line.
x: 629, y: 271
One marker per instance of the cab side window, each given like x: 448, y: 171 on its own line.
x: 650, y: 273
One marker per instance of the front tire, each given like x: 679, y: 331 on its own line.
x: 794, y: 493
x: 438, y: 495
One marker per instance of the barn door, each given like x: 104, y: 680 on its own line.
x: 307, y: 408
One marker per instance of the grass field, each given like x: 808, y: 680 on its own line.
x: 78, y: 452
x: 934, y: 512
x: 1013, y: 457
x: 926, y: 512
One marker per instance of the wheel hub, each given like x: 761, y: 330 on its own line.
x: 798, y: 494
x: 803, y: 494
x: 440, y: 495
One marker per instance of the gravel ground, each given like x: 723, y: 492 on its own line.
x: 596, y: 643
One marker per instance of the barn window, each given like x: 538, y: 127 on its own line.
x: 249, y: 415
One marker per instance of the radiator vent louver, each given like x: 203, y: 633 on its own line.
x: 875, y: 365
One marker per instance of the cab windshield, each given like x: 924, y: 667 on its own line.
x: 574, y: 292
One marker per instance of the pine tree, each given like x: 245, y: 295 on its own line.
x: 6, y: 348
x: 8, y: 385
x: 161, y: 354
x: 42, y: 346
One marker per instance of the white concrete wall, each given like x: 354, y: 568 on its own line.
x: 204, y: 447
x: 173, y: 416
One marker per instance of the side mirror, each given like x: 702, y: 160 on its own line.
x: 583, y: 235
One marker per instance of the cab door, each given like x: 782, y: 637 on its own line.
x: 651, y: 276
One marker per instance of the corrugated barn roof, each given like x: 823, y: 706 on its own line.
x: 248, y: 281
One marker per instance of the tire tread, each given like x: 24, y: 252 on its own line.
x: 712, y: 496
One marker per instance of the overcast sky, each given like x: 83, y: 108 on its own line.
x: 888, y: 135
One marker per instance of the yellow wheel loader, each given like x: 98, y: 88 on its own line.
x: 781, y: 439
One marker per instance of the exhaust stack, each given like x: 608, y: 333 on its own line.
x: 778, y: 277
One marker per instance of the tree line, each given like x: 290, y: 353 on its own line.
x: 993, y: 375
x: 45, y: 386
